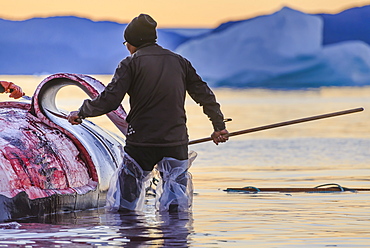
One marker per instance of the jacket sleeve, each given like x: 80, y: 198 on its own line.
x: 111, y: 97
x: 203, y: 95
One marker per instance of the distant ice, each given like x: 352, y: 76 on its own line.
x: 282, y: 50
x: 287, y: 49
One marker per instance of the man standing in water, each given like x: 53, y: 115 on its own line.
x: 156, y: 80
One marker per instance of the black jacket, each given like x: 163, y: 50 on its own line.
x: 156, y: 80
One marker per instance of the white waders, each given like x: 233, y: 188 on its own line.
x: 127, y: 186
x: 175, y: 187
x: 173, y: 192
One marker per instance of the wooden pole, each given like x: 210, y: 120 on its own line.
x: 281, y: 124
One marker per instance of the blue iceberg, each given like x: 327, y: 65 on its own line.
x: 287, y: 49
x: 351, y: 24
x: 282, y: 50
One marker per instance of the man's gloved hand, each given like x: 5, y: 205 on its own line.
x: 220, y: 136
x: 74, y: 118
x: 14, y: 90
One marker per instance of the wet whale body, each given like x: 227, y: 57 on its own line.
x: 48, y: 166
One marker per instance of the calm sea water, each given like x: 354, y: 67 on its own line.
x: 334, y: 150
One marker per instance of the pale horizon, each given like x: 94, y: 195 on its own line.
x: 168, y: 13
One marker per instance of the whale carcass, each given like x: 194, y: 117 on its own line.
x: 46, y: 164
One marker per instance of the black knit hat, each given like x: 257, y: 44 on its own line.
x: 141, y: 30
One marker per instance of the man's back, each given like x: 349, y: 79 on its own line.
x: 157, y: 94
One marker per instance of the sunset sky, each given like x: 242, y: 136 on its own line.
x: 168, y: 13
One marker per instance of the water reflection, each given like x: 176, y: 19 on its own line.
x: 176, y: 228
x: 329, y: 151
x: 100, y: 228
x: 158, y: 229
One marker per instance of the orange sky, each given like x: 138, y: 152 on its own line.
x: 168, y: 13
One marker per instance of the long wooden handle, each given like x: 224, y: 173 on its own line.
x: 281, y: 124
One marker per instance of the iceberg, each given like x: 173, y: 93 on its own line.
x: 286, y: 49
x: 70, y: 44
x: 59, y: 44
x: 351, y: 24
x: 281, y: 50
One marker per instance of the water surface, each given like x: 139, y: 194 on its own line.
x: 334, y: 150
